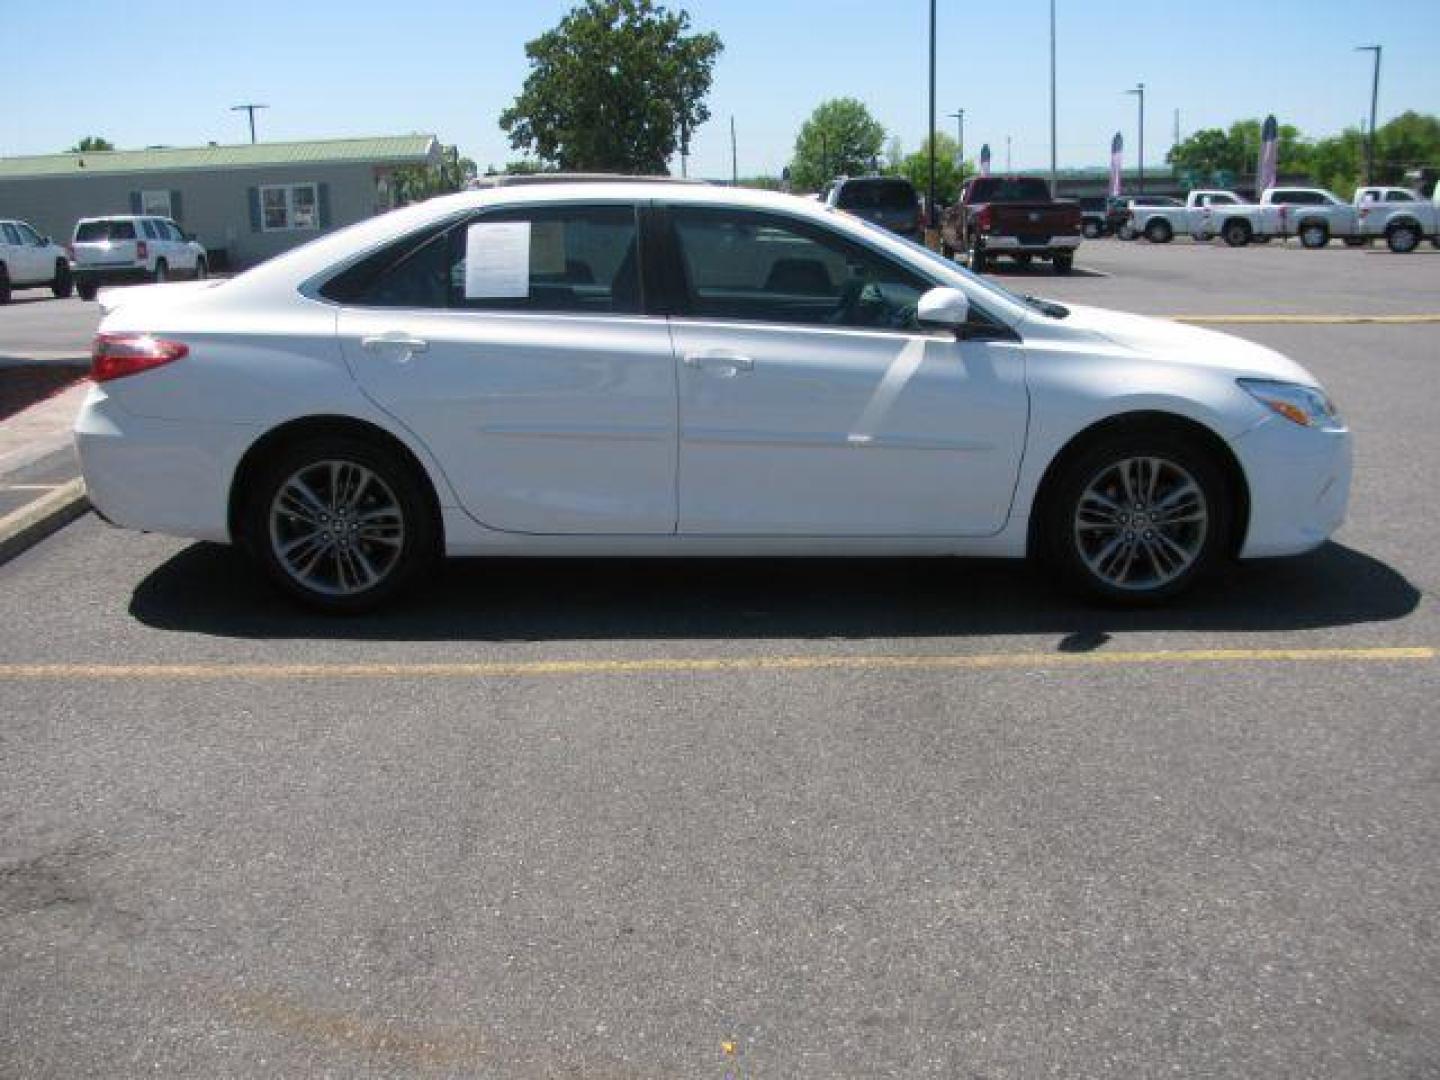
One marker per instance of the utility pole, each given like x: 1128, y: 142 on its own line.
x: 930, y: 198
x: 1054, y: 170
x: 1374, y: 101
x: 959, y: 116
x: 251, y: 110
x: 1139, y: 92
x: 734, y: 159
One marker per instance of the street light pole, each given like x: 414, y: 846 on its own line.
x: 251, y: 110
x: 1054, y: 171
x: 734, y: 157
x: 1374, y: 101
x: 959, y: 116
x: 1139, y: 91
x: 930, y: 198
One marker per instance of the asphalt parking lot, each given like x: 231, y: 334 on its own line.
x: 758, y: 819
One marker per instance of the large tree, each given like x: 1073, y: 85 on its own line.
x: 415, y: 182
x: 841, y: 138
x: 1212, y: 155
x: 90, y: 144
x: 617, y: 86
x: 916, y: 168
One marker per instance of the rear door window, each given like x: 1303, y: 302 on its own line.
x: 11, y: 234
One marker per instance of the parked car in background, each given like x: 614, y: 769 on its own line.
x: 125, y: 249
x: 1315, y: 215
x: 733, y: 393
x: 1403, y: 217
x: 1207, y: 213
x: 1094, y: 216
x: 1015, y: 216
x: 889, y: 201
x: 29, y: 260
x: 1129, y: 204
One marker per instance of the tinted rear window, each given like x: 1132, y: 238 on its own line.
x: 90, y: 232
x: 1000, y: 189
x: 876, y: 195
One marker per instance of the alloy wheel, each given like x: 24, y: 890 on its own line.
x: 336, y: 528
x: 1140, y: 523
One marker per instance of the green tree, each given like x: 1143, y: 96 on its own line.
x: 1407, y: 142
x: 916, y: 168
x: 90, y: 144
x: 1212, y: 155
x: 841, y: 138
x: 412, y: 183
x: 1338, y: 163
x: 617, y: 86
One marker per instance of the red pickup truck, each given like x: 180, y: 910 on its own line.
x: 1014, y: 216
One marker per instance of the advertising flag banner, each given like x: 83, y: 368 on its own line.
x: 1265, y: 173
x: 985, y: 160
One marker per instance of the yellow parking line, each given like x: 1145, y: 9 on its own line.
x: 698, y: 665
x: 1304, y: 320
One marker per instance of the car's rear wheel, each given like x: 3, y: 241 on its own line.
x: 1314, y: 234
x: 64, y: 283
x: 161, y: 273
x: 4, y: 284
x: 1236, y: 233
x: 1403, y: 237
x: 1135, y: 518
x: 340, y: 524
x: 202, y: 270
x: 1063, y: 261
x: 87, y: 290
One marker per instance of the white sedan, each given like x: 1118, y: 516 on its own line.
x: 612, y: 368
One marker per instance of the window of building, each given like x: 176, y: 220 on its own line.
x: 156, y: 202
x: 289, y: 207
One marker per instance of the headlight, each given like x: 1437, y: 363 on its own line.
x: 1303, y: 405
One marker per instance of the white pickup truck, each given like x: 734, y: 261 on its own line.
x: 1206, y: 214
x: 1313, y: 214
x: 1400, y: 215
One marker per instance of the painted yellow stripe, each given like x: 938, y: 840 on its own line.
x: 697, y: 665
x: 1310, y: 320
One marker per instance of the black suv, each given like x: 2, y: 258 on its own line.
x: 890, y: 201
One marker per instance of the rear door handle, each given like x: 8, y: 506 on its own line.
x: 401, y: 342
x: 722, y: 363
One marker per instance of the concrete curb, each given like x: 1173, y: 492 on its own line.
x: 36, y: 520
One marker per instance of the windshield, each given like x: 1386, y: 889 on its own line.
x: 1001, y: 189
x: 89, y: 232
x: 885, y: 194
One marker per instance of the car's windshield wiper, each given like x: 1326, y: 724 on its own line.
x: 1046, y: 307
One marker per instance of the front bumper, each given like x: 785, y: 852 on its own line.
x: 1035, y: 247
x: 1299, y: 486
x: 166, y: 476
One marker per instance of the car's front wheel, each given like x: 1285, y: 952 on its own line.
x: 340, y: 524
x: 1135, y: 518
x: 1063, y: 262
x: 87, y: 290
x: 63, y: 284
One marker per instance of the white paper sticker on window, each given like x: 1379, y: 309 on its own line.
x: 547, y: 247
x: 497, y: 260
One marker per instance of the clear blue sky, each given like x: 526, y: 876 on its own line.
x: 370, y: 68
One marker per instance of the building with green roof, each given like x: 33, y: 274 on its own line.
x: 245, y: 203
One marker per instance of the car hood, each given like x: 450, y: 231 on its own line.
x: 1164, y: 340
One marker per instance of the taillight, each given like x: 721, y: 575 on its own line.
x: 117, y: 355
x: 142, y: 250
x: 982, y: 219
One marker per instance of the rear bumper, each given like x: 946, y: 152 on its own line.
x: 1299, y: 486
x: 1016, y: 243
x: 110, y: 275
x: 166, y: 476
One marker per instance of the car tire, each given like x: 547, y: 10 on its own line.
x: 1102, y: 542
x: 360, y: 537
x: 1090, y: 230
x: 1314, y: 234
x: 4, y: 284
x: 1063, y: 262
x: 86, y: 290
x: 1237, y: 234
x: 1403, y: 237
x: 161, y: 273
x: 1159, y: 232
x: 202, y: 270
x: 977, y: 259
x: 63, y: 287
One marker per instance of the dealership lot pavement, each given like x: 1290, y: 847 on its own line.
x: 773, y: 819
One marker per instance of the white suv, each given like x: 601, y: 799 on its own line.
x: 125, y: 249
x: 29, y: 260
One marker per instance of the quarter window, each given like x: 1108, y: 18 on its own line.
x: 768, y: 268
x: 289, y: 208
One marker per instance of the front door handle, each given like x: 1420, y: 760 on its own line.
x: 720, y: 362
x: 402, y: 342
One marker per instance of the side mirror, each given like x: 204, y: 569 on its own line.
x: 943, y: 307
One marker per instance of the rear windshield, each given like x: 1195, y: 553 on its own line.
x: 1002, y: 189
x: 884, y: 194
x: 95, y: 231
